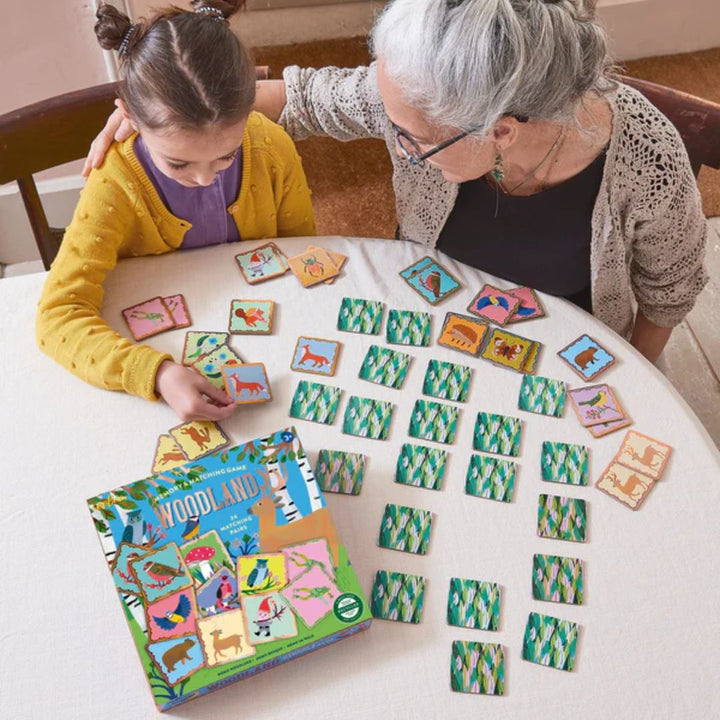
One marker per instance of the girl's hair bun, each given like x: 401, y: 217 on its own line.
x: 227, y: 7
x: 111, y: 26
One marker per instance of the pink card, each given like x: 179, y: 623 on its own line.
x: 178, y: 310
x: 312, y: 595
x: 494, y: 305
x: 596, y: 404
x: 148, y: 318
x: 302, y: 557
x: 530, y: 306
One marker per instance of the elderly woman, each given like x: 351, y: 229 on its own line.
x: 515, y: 153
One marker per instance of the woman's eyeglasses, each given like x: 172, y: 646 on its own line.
x: 411, y: 151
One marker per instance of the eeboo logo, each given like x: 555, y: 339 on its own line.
x: 348, y: 607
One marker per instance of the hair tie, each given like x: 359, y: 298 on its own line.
x: 122, y: 50
x: 214, y: 12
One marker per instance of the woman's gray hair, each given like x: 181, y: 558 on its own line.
x: 467, y: 63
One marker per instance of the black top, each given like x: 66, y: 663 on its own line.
x: 540, y: 240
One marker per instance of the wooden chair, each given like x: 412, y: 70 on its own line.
x: 50, y: 133
x: 697, y: 120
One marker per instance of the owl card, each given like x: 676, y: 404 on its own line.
x: 407, y: 327
x: 261, y: 573
x: 313, y: 266
x: 420, y: 466
x: 315, y: 402
x: 251, y: 317
x: 199, y: 437
x: 473, y: 604
x: 168, y: 455
x: 530, y: 306
x: 148, y: 318
x: 360, y: 316
x: 178, y: 309
x: 161, y: 573
x: 477, y: 668
x: 171, y: 616
x: 596, y: 404
x: 433, y: 421
x: 397, y: 596
x: 587, y: 357
x: 340, y: 472
x: 199, y: 343
x: 385, y: 366
x: 506, y: 349
x: 264, y: 262
x: 430, y: 280
x: 644, y: 453
x: 224, y: 638
x: 312, y: 595
x: 494, y: 305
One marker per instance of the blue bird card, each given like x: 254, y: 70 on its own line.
x: 587, y: 357
x: 494, y: 305
x: 430, y: 279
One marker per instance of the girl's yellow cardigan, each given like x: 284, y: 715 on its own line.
x: 121, y: 215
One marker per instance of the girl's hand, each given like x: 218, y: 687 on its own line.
x: 116, y: 128
x: 190, y: 395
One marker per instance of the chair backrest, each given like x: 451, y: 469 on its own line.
x: 697, y: 120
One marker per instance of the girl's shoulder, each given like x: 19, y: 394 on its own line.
x: 269, y: 138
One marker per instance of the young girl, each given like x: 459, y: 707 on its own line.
x: 201, y: 169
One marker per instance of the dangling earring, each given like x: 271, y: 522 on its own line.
x: 498, y: 173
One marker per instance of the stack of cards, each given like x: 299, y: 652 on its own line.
x: 530, y: 306
x: 587, y: 357
x: 157, y: 315
x: 316, y: 265
x: 598, y: 409
x: 494, y: 305
x: 430, y: 279
x: 186, y: 442
x: 632, y: 473
x: 207, y: 352
x: 262, y: 263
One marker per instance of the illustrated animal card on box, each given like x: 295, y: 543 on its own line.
x: 227, y: 566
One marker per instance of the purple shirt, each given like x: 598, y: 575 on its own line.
x: 205, y: 208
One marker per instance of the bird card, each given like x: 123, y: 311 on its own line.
x: 251, y: 317
x: 477, y: 668
x: 178, y: 310
x: 494, y: 305
x: 506, y: 349
x: 368, y: 418
x: 360, y: 316
x: 210, y: 366
x: 433, y: 421
x: 269, y: 618
x: 605, y: 428
x: 564, y: 463
x: 463, y: 333
x: 148, y: 318
x: 557, y: 579
x: 407, y: 327
x: 587, y: 357
x: 498, y: 434
x: 199, y: 438
x: 224, y: 638
x: 430, y: 280
x: 530, y: 306
x: 406, y: 529
x: 172, y: 616
x: 541, y: 395
x: 385, y: 366
x: 644, y: 453
x: 491, y: 478
x: 168, y: 455
x: 628, y: 486
x: 247, y: 384
x: 175, y: 658
x: 161, y: 573
x: 595, y: 404
x: 262, y: 263
x: 205, y: 554
x: 397, y: 596
x: 219, y: 594
x: 313, y: 266
x: 340, y: 472
x: 261, y: 573
x: 473, y: 604
x: 550, y: 641
x: 447, y: 381
x: 199, y: 343
x: 420, y: 466
x: 120, y: 568
x: 315, y: 402
x: 315, y: 355
x: 561, y: 518
x: 312, y: 595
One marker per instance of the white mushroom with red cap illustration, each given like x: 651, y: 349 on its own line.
x: 199, y: 558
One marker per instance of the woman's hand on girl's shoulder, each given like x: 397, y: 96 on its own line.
x: 116, y: 128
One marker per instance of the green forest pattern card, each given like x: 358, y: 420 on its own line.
x: 542, y: 395
x: 406, y: 529
x: 564, y: 463
x: 316, y: 402
x: 561, y: 518
x: 550, y: 641
x: 558, y: 579
x: 340, y: 472
x: 433, y: 421
x: 447, y: 381
x: 385, y: 366
x: 499, y: 434
x: 360, y: 316
x: 397, y: 596
x: 407, y: 327
x: 368, y: 418
x: 491, y: 478
x: 473, y: 604
x: 477, y: 668
x: 421, y: 466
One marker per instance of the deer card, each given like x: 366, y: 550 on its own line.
x: 398, y: 596
x: 473, y: 604
x: 385, y: 366
x: 407, y: 327
x: 499, y: 434
x: 477, y: 667
x: 550, y: 641
x: 251, y: 317
x: 561, y: 518
x: 148, y: 318
x: 530, y: 306
x: 406, y: 529
x: 199, y: 343
x: 433, y: 421
x: 494, y: 305
x: 210, y: 365
x: 261, y: 573
x: 247, y: 384
x: 340, y: 472
x: 199, y: 437
x: 490, y: 478
x: 420, y: 466
x: 628, y: 486
x: 587, y: 357
x: 269, y: 618
x: 644, y: 453
x: 312, y: 595
x: 224, y: 638
x: 542, y: 395
x: 557, y: 579
x: 315, y: 355
x: 447, y: 381
x: 168, y: 455
x: 264, y: 262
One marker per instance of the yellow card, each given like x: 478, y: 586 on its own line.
x: 313, y: 266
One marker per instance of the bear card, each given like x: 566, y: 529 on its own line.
x: 315, y: 355
x: 463, y: 333
x: 261, y: 573
x: 406, y: 529
x: 498, y: 434
x: 340, y: 472
x: 224, y: 638
x: 178, y: 309
x: 269, y: 617
x: 586, y: 357
x: 643, y: 453
x: 595, y: 404
x: 447, y: 381
x: 210, y: 365
x: 312, y: 595
x: 219, y: 594
x: 557, y: 579
x: 247, y: 384
x: 628, y: 486
x: 168, y: 455
x: 148, y: 318
x: 561, y: 518
x: 204, y: 555
x: 397, y: 596
x: 199, y: 437
x: 360, y: 316
x: 161, y: 573
x: 264, y: 262
x: 541, y: 395
x: 313, y: 266
x: 251, y: 317
x: 550, y: 641
x: 420, y: 466
x: 407, y: 327
x: 433, y: 421
x: 508, y: 350
x: 384, y: 366
x: 564, y: 463
x: 530, y: 306
x: 430, y: 279
x: 199, y: 343
x: 172, y: 616
x: 315, y: 402
x: 177, y: 658
x: 494, y: 305
x: 490, y: 478
x: 301, y: 557
x: 368, y: 418
x: 473, y: 604
x: 477, y: 667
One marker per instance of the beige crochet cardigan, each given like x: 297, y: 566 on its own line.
x: 648, y: 229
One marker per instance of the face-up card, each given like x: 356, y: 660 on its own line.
x: 360, y: 316
x: 490, y: 478
x: 385, y: 366
x: 199, y: 343
x: 542, y: 395
x: 447, y: 381
x: 561, y: 518
x: 406, y: 529
x: 177, y: 658
x: 564, y: 463
x: 494, y: 305
x: 433, y: 421
x: 340, y: 472
x: 596, y: 404
x: 550, y: 641
x: 628, y: 486
x: 605, y: 428
x: 171, y: 616
x: 557, y: 579
x: 506, y: 349
x: 431, y: 280
x: 269, y: 617
x: 148, y: 318
x: 644, y: 453
x: 314, y: 355
x: 161, y: 573
x: 313, y: 266
x: 420, y: 466
x: 473, y: 604
x: 477, y: 668
x: 463, y: 333
x: 407, y: 327
x: 261, y: 573
x: 587, y: 357
x: 199, y: 438
x: 338, y: 259
x: 304, y: 556
x: 219, y: 594
x: 262, y: 263
x: 178, y: 310
x: 315, y: 402
x: 205, y: 555
x: 123, y: 576
x: 397, y: 596
x: 247, y: 384
x: 312, y: 595
x: 168, y: 455
x: 530, y: 306
x: 251, y: 317
x: 530, y: 363
x: 210, y: 365
x: 368, y: 418
x: 499, y: 434
x: 224, y: 638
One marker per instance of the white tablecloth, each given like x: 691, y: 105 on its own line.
x: 649, y: 644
